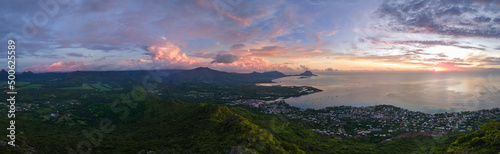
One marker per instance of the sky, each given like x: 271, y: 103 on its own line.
x: 257, y: 35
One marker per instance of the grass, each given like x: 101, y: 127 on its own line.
x: 107, y: 86
x: 22, y: 83
x: 79, y: 87
x: 100, y: 87
x: 31, y: 86
x: 197, y: 92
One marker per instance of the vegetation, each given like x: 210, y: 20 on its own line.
x: 175, y: 126
x: 484, y: 140
x: 59, y: 115
x: 166, y: 125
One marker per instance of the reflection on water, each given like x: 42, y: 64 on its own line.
x: 264, y: 84
x: 422, y: 91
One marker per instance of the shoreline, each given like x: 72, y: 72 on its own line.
x: 390, y: 105
x: 305, y: 103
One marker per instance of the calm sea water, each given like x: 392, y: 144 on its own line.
x: 418, y: 91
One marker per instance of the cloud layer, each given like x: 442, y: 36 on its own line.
x: 455, y: 18
x: 246, y: 36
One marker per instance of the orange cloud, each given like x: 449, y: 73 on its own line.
x: 245, y: 22
x: 447, y: 67
x: 57, y: 67
x: 169, y: 56
x: 171, y: 53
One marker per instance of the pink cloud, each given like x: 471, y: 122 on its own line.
x: 168, y: 55
x: 57, y: 67
x: 449, y: 66
x: 171, y: 53
x: 245, y: 21
x: 330, y: 33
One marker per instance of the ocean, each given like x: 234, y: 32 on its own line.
x: 429, y: 92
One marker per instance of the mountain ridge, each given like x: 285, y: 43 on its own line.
x: 205, y: 74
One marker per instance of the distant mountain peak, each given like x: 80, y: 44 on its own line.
x: 202, y: 68
x: 205, y: 74
x: 29, y: 72
x: 3, y: 72
x: 272, y: 72
x: 307, y: 73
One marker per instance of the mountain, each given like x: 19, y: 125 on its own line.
x: 205, y: 74
x: 156, y: 126
x: 307, y: 73
x: 272, y: 74
x: 27, y: 73
x: 4, y: 74
x: 76, y: 78
x: 200, y: 74
x: 201, y: 128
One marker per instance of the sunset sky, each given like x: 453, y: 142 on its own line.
x: 257, y: 35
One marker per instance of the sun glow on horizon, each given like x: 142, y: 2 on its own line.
x: 438, y: 69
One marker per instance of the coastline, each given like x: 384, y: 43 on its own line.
x: 418, y: 92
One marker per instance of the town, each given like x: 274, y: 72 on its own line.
x: 376, y: 121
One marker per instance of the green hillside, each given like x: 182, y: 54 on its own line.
x: 484, y: 140
x: 166, y: 126
x: 177, y: 127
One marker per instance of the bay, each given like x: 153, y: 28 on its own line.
x: 429, y: 92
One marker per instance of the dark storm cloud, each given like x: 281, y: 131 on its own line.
x: 427, y: 42
x: 432, y: 43
x: 79, y: 55
x: 125, y: 26
x: 491, y: 60
x: 470, y: 47
x: 225, y: 58
x: 237, y: 46
x: 268, y: 51
x: 482, y: 19
x: 417, y: 51
x: 496, y: 20
x: 50, y: 56
x: 451, y: 11
x: 456, y: 18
